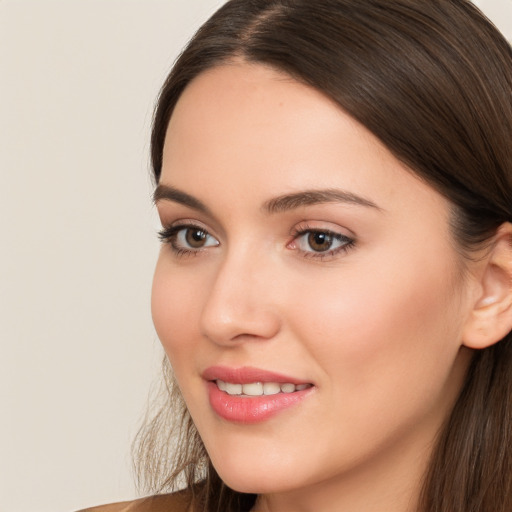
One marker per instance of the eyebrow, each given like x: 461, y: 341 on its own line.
x: 311, y: 197
x: 278, y: 204
x: 165, y: 192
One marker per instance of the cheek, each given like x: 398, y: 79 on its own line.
x: 174, y: 306
x: 360, y: 325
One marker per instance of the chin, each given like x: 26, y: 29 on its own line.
x: 259, y: 475
x: 255, y: 484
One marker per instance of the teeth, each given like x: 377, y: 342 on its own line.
x: 253, y: 389
x: 233, y: 389
x: 271, y: 388
x: 287, y: 388
x: 259, y: 388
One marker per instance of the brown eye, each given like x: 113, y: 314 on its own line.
x: 187, y: 239
x: 317, y: 243
x: 195, y: 238
x: 320, y: 241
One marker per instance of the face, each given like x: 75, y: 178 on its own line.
x: 308, y: 292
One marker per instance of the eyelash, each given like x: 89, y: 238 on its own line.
x: 168, y: 235
x: 347, y: 242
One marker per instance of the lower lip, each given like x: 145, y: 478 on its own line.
x: 254, y: 409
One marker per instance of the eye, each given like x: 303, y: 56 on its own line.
x: 321, y: 243
x: 318, y: 241
x: 187, y: 238
x: 195, y: 238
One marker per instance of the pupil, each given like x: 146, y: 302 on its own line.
x: 196, y: 237
x: 320, y: 241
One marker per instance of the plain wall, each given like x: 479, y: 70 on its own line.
x: 78, y: 80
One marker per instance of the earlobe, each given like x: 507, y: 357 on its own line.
x: 490, y: 319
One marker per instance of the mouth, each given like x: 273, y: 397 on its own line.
x: 250, y: 395
x: 259, y: 388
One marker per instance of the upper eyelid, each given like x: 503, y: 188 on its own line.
x: 170, y: 216
x: 188, y: 223
x: 179, y: 225
x: 301, y: 231
x: 322, y: 226
x: 335, y: 234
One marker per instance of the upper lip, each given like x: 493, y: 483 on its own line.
x: 248, y: 374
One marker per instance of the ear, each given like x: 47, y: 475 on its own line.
x: 490, y: 319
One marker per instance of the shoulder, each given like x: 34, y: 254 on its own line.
x: 175, y: 502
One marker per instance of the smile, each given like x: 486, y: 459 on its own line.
x: 251, y: 395
x: 259, y: 388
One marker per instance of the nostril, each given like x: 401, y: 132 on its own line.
x: 229, y: 324
x: 238, y: 307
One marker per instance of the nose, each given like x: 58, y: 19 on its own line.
x: 240, y: 306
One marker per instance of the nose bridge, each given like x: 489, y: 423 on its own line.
x: 239, y: 304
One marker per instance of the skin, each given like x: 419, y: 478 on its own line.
x: 376, y: 328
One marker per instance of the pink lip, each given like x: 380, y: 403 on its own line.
x: 247, y: 374
x: 242, y: 409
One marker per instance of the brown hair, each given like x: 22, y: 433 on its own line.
x: 433, y: 81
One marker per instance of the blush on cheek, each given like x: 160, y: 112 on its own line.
x: 175, y: 312
x: 158, y: 301
x: 166, y: 308
x: 378, y: 319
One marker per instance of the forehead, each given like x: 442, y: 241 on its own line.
x: 242, y: 132
x: 240, y: 112
x: 239, y: 96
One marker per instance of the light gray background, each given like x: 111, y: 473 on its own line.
x: 78, y: 79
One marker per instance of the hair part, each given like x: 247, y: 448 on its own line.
x: 433, y: 81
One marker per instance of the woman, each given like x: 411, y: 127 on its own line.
x: 334, y: 289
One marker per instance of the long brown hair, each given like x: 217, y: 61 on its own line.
x: 432, y: 79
